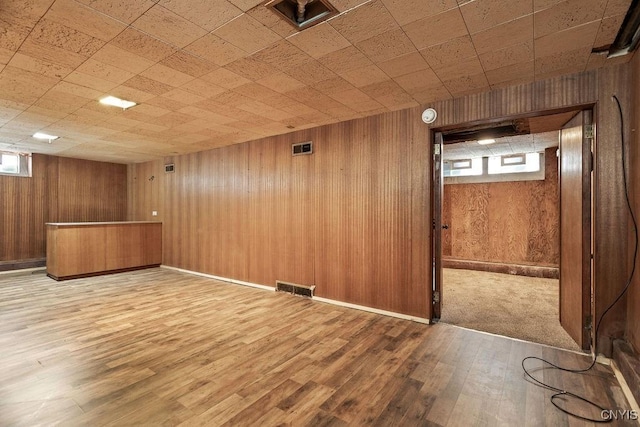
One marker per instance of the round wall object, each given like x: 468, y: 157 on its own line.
x: 429, y: 115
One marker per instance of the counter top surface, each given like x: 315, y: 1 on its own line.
x: 77, y: 224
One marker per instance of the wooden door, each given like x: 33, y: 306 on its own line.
x: 575, y: 229
x: 436, y: 299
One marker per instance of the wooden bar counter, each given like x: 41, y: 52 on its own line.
x: 80, y: 249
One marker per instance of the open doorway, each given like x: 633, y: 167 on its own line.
x: 499, y: 229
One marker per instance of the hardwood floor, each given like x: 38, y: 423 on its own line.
x: 157, y: 347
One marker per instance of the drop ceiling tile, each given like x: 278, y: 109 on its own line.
x: 5, y: 56
x: 281, y: 82
x: 345, y: 59
x: 52, y: 54
x: 206, y: 14
x: 450, y: 51
x: 69, y: 39
x: 148, y: 85
x: 183, y: 96
x: 310, y: 72
x: 251, y: 68
x: 212, y: 118
x: 382, y: 89
x: 429, y: 95
x: 39, y: 66
x: 215, y: 49
x: 189, y: 64
x: 319, y: 40
x: 22, y: 86
x: 608, y: 30
x: 103, y: 71
x: 247, y: 34
x: 568, y: 14
x: 131, y: 94
x: 334, y: 85
x: 202, y: 88
x: 144, y: 45
x: 79, y: 17
x: 467, y: 84
x: 167, y: 75
x: 511, y: 55
x: 364, y: 22
x: 386, y: 46
x: 544, y: 4
x: 617, y: 7
x: 91, y: 82
x: 352, y: 97
x: 407, y: 11
x: 365, y: 76
x: 520, y: 72
x: 395, y: 102
x: 404, y: 64
x: 169, y: 27
x: 77, y: 90
x: 470, y: 66
x: 283, y: 55
x: 117, y: 57
x: 344, y: 5
x: 122, y: 10
x: 245, y: 5
x: 225, y: 78
x: 570, y: 39
x: 511, y: 33
x: 418, y: 80
x: 480, y: 15
x: 14, y: 31
x: 599, y: 61
x: 272, y: 21
x: 562, y: 62
x: 437, y: 29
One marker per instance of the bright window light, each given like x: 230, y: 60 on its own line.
x: 40, y: 135
x: 466, y: 167
x: 498, y: 164
x: 486, y: 141
x: 9, y: 163
x: 117, y: 102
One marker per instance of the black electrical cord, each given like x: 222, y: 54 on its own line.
x: 564, y: 393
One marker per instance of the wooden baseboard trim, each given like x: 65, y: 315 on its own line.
x: 627, y: 361
x: 315, y: 298
x: 494, y: 267
x: 22, y: 264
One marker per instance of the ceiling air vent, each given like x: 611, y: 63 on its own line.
x: 302, y: 148
x: 302, y: 13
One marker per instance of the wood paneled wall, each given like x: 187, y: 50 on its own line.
x: 342, y: 218
x: 504, y: 222
x: 633, y: 141
x: 360, y: 210
x: 60, y: 190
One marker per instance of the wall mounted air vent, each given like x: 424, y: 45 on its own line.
x: 302, y: 14
x: 292, y: 288
x: 169, y: 168
x: 302, y: 148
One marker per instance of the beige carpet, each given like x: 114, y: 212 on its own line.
x: 514, y: 306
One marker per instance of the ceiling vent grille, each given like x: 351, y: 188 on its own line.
x: 302, y: 14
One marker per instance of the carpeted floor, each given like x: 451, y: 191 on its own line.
x: 514, y: 306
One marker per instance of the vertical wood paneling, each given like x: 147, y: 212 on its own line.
x: 91, y: 191
x: 611, y: 218
x: 60, y: 189
x: 633, y: 141
x: 504, y: 222
x: 145, y: 183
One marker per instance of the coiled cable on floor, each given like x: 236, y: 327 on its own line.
x: 560, y: 393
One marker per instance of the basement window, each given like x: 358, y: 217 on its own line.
x: 517, y: 163
x: 15, y: 164
x: 463, y: 167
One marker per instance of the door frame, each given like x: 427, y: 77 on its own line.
x: 436, y: 144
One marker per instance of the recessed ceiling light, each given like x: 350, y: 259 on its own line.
x: 117, y: 102
x: 486, y: 141
x: 40, y: 135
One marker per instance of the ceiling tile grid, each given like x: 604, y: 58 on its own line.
x: 211, y: 73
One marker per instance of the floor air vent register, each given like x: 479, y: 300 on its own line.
x: 295, y: 289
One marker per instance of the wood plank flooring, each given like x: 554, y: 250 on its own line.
x: 157, y: 347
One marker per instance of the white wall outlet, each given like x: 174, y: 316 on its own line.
x: 154, y: 213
